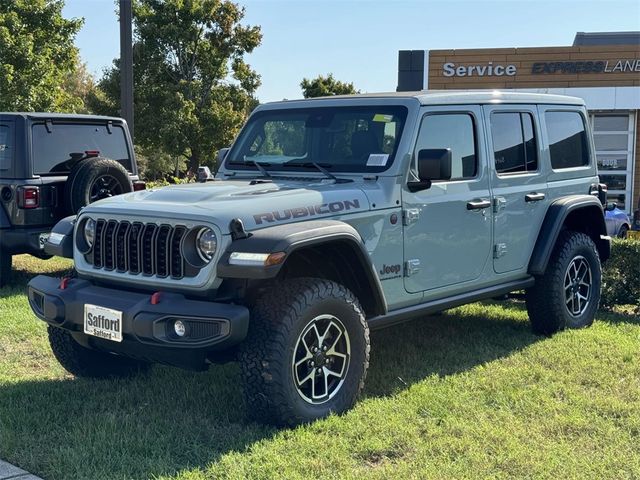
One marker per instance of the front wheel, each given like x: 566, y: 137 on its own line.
x: 568, y: 294
x: 306, y: 354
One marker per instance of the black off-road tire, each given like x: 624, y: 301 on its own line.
x: 84, y: 175
x: 85, y: 362
x: 278, y: 319
x: 547, y: 302
x: 5, y: 268
x: 622, y: 233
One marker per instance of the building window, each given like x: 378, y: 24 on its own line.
x: 454, y: 131
x: 514, y: 143
x: 568, y: 145
x: 613, y: 135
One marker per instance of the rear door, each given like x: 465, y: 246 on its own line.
x: 447, y: 236
x: 518, y: 182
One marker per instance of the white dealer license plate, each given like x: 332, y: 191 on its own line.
x: 103, y: 322
x: 42, y: 239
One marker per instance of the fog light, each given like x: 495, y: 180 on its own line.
x: 180, y: 328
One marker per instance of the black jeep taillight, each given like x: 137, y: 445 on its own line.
x: 28, y: 197
x: 139, y: 185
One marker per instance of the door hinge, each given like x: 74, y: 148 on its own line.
x: 410, y: 215
x: 499, y: 250
x: 411, y: 267
x: 499, y: 203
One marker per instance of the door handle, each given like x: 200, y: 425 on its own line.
x: 534, y: 197
x: 478, y: 204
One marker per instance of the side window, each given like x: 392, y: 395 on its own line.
x: 455, y: 131
x: 6, y: 147
x: 514, y: 143
x: 568, y: 145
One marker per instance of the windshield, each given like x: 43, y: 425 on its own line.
x: 343, y: 139
x: 53, y: 147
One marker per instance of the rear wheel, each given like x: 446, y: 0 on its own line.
x: 85, y: 362
x: 306, y: 354
x: 5, y: 268
x: 568, y: 294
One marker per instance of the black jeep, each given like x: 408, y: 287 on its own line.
x: 51, y: 165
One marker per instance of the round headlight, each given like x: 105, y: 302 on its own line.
x: 89, y: 232
x: 206, y: 244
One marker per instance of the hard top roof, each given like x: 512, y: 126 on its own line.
x: 60, y: 116
x: 448, y: 97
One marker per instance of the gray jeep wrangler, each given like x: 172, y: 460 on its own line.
x: 51, y: 165
x: 328, y: 218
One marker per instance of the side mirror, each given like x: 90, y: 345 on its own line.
x: 222, y: 153
x: 611, y: 206
x: 433, y: 164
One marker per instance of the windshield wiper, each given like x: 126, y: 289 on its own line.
x: 259, y: 165
x: 320, y: 167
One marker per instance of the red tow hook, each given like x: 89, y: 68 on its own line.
x: 64, y: 283
x: 155, y: 298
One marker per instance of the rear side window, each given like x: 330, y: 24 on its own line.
x: 51, y: 150
x: 514, y: 143
x: 6, y: 147
x: 568, y: 145
x: 456, y: 132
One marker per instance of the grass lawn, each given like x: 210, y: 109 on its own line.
x: 468, y: 394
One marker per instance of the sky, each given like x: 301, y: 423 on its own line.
x: 358, y: 40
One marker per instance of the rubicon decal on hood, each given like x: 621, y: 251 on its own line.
x: 301, y: 212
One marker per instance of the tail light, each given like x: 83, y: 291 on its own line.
x: 139, y: 185
x: 28, y: 197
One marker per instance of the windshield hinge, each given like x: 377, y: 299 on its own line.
x: 410, y: 215
x: 48, y: 124
x: 110, y: 127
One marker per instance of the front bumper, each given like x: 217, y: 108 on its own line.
x: 147, y: 330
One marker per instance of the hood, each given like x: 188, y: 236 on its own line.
x: 258, y: 205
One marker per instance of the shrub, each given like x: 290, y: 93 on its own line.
x: 621, y: 274
x: 163, y: 182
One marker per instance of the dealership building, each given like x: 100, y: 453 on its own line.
x: 601, y: 68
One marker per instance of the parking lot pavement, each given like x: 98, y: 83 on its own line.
x: 11, y: 472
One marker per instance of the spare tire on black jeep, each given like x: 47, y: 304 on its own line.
x: 94, y: 179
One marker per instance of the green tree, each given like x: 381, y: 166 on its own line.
x: 80, y: 86
x: 192, y: 86
x: 36, y: 53
x: 322, y: 86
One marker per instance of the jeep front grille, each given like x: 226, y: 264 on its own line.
x: 140, y: 248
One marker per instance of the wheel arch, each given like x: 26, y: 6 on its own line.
x: 580, y: 213
x: 327, y: 249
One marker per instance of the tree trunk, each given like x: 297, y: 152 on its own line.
x: 194, y: 161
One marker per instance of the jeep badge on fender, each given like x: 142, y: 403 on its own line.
x: 297, y: 251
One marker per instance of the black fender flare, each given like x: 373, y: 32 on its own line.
x: 556, y: 218
x: 296, y: 236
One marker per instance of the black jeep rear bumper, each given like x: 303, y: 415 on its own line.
x: 147, y: 330
x: 22, y: 240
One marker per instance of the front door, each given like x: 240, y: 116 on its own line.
x: 518, y: 182
x: 447, y: 233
